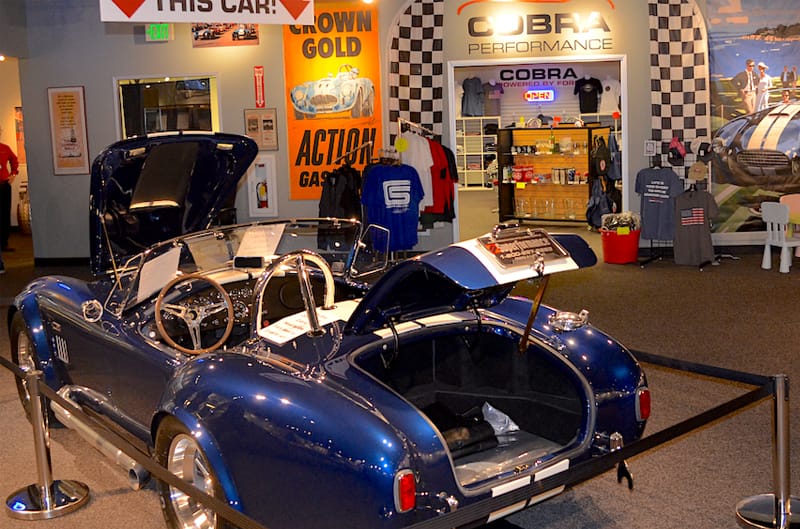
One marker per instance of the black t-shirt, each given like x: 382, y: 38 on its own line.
x: 588, y: 91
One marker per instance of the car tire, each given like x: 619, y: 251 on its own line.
x: 177, y: 450
x: 24, y: 355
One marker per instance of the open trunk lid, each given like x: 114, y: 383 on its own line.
x: 476, y: 273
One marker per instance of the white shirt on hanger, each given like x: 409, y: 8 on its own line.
x: 418, y: 155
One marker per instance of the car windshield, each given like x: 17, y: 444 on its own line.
x: 248, y: 248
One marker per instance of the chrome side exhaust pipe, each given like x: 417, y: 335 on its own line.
x: 138, y: 476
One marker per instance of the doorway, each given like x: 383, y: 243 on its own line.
x: 489, y: 97
x: 12, y: 133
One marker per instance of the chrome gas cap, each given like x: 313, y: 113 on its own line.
x: 564, y: 321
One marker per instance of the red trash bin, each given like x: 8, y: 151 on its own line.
x: 620, y: 247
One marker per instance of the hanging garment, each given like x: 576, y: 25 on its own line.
x: 418, y: 155
x: 340, y: 198
x: 441, y: 180
x: 599, y: 204
x: 341, y: 194
x: 472, y: 100
x: 391, y: 196
x: 588, y: 91
x: 615, y: 167
x: 492, y: 93
x: 445, y: 179
x: 609, y: 99
x: 658, y: 187
x: 694, y: 210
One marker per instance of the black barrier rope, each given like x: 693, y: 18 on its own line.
x: 468, y: 515
x: 729, y: 375
x: 591, y: 468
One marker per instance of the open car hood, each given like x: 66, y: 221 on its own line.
x: 476, y: 273
x: 152, y: 188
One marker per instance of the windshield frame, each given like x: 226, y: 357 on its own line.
x: 198, y: 252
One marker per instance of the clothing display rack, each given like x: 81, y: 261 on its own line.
x: 401, y: 121
x: 352, y: 151
x: 658, y: 247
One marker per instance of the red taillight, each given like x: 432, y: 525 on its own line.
x: 642, y: 404
x: 405, y: 491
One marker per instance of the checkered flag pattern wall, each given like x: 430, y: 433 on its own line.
x: 680, y: 95
x: 416, y: 66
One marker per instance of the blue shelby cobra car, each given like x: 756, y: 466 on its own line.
x: 280, y: 367
x: 760, y: 149
x: 344, y: 92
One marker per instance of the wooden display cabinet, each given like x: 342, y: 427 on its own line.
x: 544, y: 172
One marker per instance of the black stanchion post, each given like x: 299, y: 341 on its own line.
x: 47, y: 498
x: 774, y: 510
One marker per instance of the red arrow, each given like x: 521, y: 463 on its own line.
x: 129, y: 7
x: 294, y: 7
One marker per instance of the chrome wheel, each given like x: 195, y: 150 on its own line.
x: 26, y: 362
x: 187, y: 462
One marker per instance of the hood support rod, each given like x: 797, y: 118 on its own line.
x: 537, y: 302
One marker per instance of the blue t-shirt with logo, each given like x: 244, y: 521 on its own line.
x: 391, y: 196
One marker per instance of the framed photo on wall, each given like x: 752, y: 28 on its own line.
x: 260, y: 124
x: 262, y: 195
x: 68, y: 130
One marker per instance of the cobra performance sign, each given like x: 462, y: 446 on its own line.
x: 502, y: 31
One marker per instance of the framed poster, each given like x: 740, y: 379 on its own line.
x: 262, y: 195
x: 68, y: 130
x: 260, y: 125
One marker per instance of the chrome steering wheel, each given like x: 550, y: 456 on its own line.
x: 193, y: 314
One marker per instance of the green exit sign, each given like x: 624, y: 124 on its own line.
x: 158, y: 32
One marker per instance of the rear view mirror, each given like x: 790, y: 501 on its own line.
x: 372, y: 252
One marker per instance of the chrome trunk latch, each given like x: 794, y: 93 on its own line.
x: 450, y: 503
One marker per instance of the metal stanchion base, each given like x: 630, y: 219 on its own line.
x: 759, y: 512
x: 27, y: 503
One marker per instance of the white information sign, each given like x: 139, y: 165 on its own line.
x: 191, y: 11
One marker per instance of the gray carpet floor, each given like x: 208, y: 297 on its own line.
x: 734, y: 315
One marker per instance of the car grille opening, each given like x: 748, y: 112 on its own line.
x: 763, y: 159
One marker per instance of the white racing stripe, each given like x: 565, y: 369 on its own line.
x: 768, y: 131
x: 559, y: 467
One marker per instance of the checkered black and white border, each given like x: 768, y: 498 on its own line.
x: 679, y: 73
x: 416, y: 66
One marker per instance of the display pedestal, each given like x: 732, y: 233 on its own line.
x: 33, y: 503
x: 774, y: 510
x: 759, y: 512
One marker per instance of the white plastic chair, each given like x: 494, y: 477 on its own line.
x: 793, y: 201
x: 776, y: 217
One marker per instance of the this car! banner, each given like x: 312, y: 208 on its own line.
x: 246, y: 12
x: 333, y: 98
